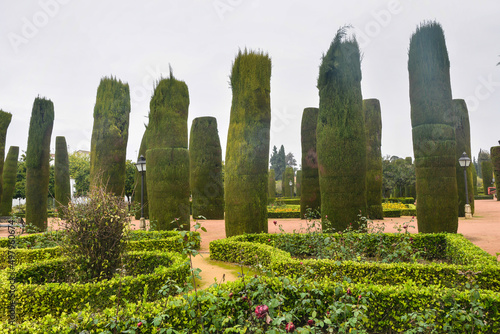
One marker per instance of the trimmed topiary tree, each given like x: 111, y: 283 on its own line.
x: 288, y: 176
x: 37, y: 162
x: 110, y: 135
x: 474, y: 177
x: 373, y: 127
x: 167, y: 157
x: 247, y: 153
x: 434, y: 144
x: 5, y: 119
x: 487, y: 170
x: 298, y: 183
x: 9, y: 180
x: 310, y: 196
x: 271, y: 185
x: 341, y: 139
x: 205, y: 158
x: 495, y: 160
x: 62, y: 186
x: 138, y: 180
x: 462, y: 135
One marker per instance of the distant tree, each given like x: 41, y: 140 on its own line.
x: 62, y: 186
x: 5, y: 119
x: 482, y: 156
x: 290, y: 160
x: 278, y: 162
x: 79, y: 170
x: 9, y: 180
x: 19, y: 191
x: 398, y: 174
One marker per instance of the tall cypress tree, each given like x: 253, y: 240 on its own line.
x: 167, y: 156
x: 37, y: 162
x: 271, y: 185
x: 433, y: 132
x: 205, y: 158
x: 138, y: 180
x: 62, y: 184
x: 288, y: 177
x: 341, y: 139
x: 487, y: 169
x: 495, y: 160
x: 5, y: 119
x: 247, y: 153
x: 298, y: 183
x: 310, y: 194
x: 462, y: 135
x: 373, y: 127
x: 280, y: 163
x: 9, y: 180
x: 110, y: 135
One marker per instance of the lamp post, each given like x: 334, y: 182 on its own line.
x: 141, y: 167
x: 464, y: 162
x: 290, y: 183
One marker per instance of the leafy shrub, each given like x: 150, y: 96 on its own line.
x: 96, y: 231
x: 284, y: 211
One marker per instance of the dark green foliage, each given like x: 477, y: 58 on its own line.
x: 247, y: 153
x: 462, y: 135
x: 298, y: 183
x: 167, y: 157
x: 373, y: 127
x: 271, y: 185
x: 61, y: 164
x: 474, y: 177
x: 495, y: 160
x: 482, y: 156
x: 205, y: 158
x: 138, y: 180
x: 285, y: 185
x: 96, y: 233
x: 110, y: 135
x: 37, y: 162
x: 9, y: 180
x: 487, y: 169
x: 278, y: 162
x: 434, y: 145
x: 310, y: 196
x: 5, y: 119
x: 341, y: 139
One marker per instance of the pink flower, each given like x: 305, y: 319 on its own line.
x: 261, y: 311
x: 275, y: 223
x: 349, y: 291
x: 359, y: 297
x: 139, y: 324
x: 290, y: 327
x: 310, y: 322
x: 268, y: 240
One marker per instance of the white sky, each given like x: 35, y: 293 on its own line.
x: 60, y: 49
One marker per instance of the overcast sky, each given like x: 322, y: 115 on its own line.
x: 60, y: 49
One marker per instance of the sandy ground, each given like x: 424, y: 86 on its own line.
x: 483, y: 230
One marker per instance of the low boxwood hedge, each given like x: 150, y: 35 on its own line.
x: 258, y: 249
x: 392, y: 213
x: 36, y: 300
x: 139, y: 240
x: 480, y: 197
x: 404, y: 200
x: 387, y: 309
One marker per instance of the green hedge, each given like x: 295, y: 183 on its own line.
x: 404, y: 200
x: 283, y: 214
x: 36, y: 300
x: 386, y: 307
x: 285, y: 200
x: 392, y: 213
x: 138, y: 241
x: 258, y: 249
x: 483, y: 197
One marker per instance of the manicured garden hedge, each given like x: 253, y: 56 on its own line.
x: 35, y: 300
x: 139, y: 241
x: 480, y: 197
x: 464, y: 256
x: 386, y: 308
x: 404, y: 200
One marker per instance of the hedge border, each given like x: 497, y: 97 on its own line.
x: 35, y: 300
x: 258, y: 249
